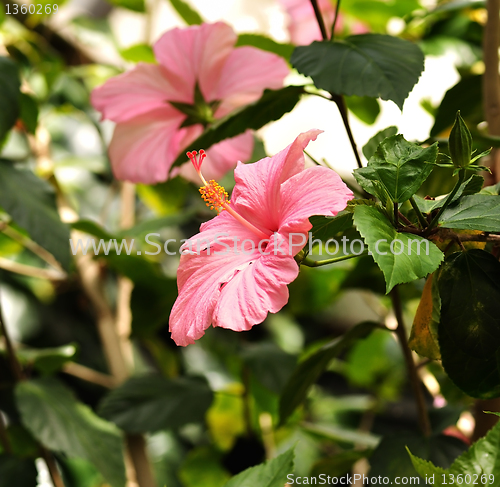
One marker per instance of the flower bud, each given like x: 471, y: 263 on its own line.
x: 460, y: 143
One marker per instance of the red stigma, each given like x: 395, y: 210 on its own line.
x: 197, y: 161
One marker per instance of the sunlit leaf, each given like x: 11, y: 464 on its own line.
x: 31, y: 203
x: 61, y: 423
x: 372, y: 65
x: 399, y: 166
x: 402, y: 257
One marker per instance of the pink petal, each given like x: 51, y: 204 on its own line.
x: 314, y: 191
x: 246, y: 74
x: 141, y: 149
x: 196, y: 54
x: 134, y: 93
x: 221, y: 158
x: 201, y: 277
x: 256, y: 195
x: 256, y: 289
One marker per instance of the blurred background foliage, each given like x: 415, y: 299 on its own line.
x: 212, y: 409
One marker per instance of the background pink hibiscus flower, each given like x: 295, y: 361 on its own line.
x: 160, y: 108
x: 239, y: 277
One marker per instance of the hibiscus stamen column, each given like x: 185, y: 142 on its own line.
x: 216, y: 196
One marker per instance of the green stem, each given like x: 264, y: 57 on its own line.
x: 420, y: 217
x: 335, y: 20
x: 342, y: 107
x: 433, y: 223
x: 318, y: 263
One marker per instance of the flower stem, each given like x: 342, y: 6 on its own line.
x: 434, y: 221
x: 340, y: 102
x: 28, y: 270
x: 420, y: 217
x: 423, y: 418
x: 337, y: 8
x: 318, y: 263
x: 319, y: 18
x: 338, y: 99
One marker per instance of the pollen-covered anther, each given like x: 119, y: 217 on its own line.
x: 214, y: 195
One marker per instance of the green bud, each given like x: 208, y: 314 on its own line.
x: 460, y: 143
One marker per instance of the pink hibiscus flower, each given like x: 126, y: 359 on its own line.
x: 237, y: 268
x: 160, y: 108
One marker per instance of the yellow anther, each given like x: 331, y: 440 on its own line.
x: 214, y: 195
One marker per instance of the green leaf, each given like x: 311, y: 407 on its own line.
x: 31, y: 203
x: 270, y: 365
x: 47, y: 360
x: 143, y: 228
x: 370, y: 147
x: 492, y: 190
x: 343, y: 435
x: 412, y: 258
x: 475, y: 212
x: 270, y: 107
x: 9, y: 95
x: 458, y: 4
x: 469, y: 329
x: 92, y: 228
x: 20, y: 472
x: 137, y: 53
x: 61, y: 423
x: 186, y: 12
x: 308, y: 371
x: 399, y: 166
x: 326, y: 227
x: 151, y: 306
x: 338, y: 464
x: 273, y: 473
x: 202, y: 467
x: 266, y: 44
x: 134, y: 5
x: 472, y: 185
x: 373, y: 65
x: 391, y: 460
x: 365, y: 108
x: 465, y: 96
x: 154, y: 225
x: 151, y: 403
x: 29, y: 112
x: 428, y: 470
x: 482, y: 458
x: 376, y: 13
